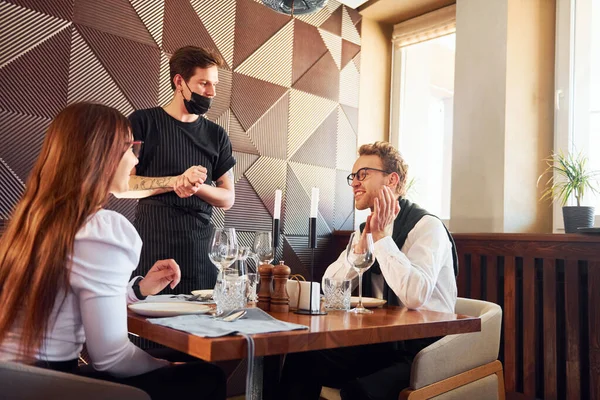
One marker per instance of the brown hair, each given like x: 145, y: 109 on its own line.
x: 186, y: 59
x: 70, y: 180
x: 391, y: 159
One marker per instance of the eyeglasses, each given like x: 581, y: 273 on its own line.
x: 361, y: 174
x: 135, y: 146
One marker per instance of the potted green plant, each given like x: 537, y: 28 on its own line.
x: 568, y: 176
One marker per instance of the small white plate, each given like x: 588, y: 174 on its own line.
x: 368, y: 302
x: 168, y: 309
x: 203, y: 293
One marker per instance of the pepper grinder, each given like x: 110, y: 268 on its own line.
x: 264, y: 295
x: 280, y: 300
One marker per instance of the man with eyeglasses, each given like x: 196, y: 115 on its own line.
x: 416, y: 266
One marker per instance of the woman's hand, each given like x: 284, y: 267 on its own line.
x: 162, y: 273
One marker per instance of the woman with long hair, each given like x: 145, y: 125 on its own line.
x: 65, y: 263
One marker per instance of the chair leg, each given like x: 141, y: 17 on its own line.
x: 501, y: 390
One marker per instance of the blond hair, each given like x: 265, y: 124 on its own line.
x: 391, y: 159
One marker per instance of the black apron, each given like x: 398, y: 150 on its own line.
x: 171, y: 227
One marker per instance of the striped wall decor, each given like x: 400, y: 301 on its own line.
x: 288, y: 95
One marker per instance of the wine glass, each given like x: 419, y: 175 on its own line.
x: 360, y: 256
x: 263, y: 247
x: 223, y: 249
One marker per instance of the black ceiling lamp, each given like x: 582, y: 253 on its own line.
x: 295, y: 7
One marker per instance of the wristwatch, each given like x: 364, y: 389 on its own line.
x: 136, y: 289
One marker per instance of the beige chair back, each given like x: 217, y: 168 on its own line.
x: 455, y: 354
x: 25, y: 382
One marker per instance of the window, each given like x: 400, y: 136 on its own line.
x: 577, y: 108
x: 422, y: 106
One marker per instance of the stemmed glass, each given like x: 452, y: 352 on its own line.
x: 263, y: 247
x: 360, y: 256
x: 223, y: 249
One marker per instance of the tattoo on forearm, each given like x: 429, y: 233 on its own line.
x: 228, y: 174
x: 145, y: 183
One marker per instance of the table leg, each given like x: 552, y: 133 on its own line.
x: 265, y: 377
x: 258, y: 364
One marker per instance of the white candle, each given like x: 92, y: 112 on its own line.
x: 277, y: 211
x: 314, y: 202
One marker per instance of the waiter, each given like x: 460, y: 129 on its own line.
x: 183, y: 153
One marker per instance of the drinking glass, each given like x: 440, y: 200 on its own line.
x: 251, y: 286
x: 231, y: 293
x: 263, y: 247
x: 223, y: 249
x: 337, y: 293
x: 360, y: 256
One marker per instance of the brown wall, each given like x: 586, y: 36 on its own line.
x: 289, y: 97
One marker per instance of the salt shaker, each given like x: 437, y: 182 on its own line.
x: 280, y: 300
x: 264, y: 295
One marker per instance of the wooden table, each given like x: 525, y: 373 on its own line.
x: 337, y: 329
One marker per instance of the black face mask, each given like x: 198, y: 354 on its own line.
x: 197, y: 104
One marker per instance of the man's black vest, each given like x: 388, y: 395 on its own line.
x: 406, y: 220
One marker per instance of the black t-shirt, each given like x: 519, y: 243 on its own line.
x: 171, y: 147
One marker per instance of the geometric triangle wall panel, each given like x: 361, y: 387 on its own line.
x: 344, y: 202
x: 269, y: 133
x: 238, y: 216
x: 36, y: 82
x: 349, y: 31
x: 297, y: 255
x: 316, y: 18
x: 352, y: 115
x: 11, y: 190
x: 333, y: 5
x: 356, y: 61
x: 251, y: 98
x: 165, y: 92
x: 355, y: 16
x: 243, y: 161
x: 334, y: 23
x: 272, y: 62
x: 254, y: 25
x: 307, y: 113
x: 349, y: 85
x: 349, y: 51
x: 21, y: 138
x: 134, y: 66
x: 222, y: 99
x: 297, y: 204
x: 317, y: 150
x: 89, y: 81
x: 346, y: 143
x: 117, y: 17
x: 322, y: 79
x: 183, y: 27
x: 308, y: 48
x: 62, y: 9
x: 240, y: 141
x: 22, y: 29
x: 152, y: 13
x: 267, y: 175
x: 334, y: 44
x: 311, y: 176
x: 218, y: 17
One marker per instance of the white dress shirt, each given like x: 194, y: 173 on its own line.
x: 421, y: 274
x: 94, y: 309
